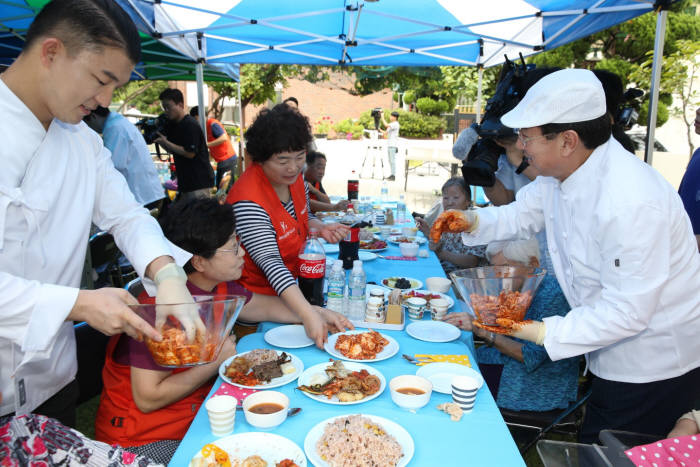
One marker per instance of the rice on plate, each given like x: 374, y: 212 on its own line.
x: 356, y: 441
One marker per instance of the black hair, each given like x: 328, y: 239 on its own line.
x: 279, y: 129
x: 194, y: 111
x: 592, y: 133
x: 101, y: 111
x: 395, y: 114
x: 614, y: 96
x: 291, y: 99
x: 311, y: 157
x: 460, y: 183
x: 199, y: 226
x: 172, y: 94
x: 86, y: 24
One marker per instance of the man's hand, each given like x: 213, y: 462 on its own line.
x: 341, y: 205
x: 462, y: 320
x: 107, y: 311
x: 334, y: 321
x: 161, y: 139
x: 333, y: 233
x: 172, y: 290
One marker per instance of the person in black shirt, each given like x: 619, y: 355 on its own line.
x: 184, y: 139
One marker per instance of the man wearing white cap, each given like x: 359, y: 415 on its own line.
x: 623, y: 252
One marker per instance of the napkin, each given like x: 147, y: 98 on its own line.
x: 400, y: 258
x: 667, y: 452
x: 432, y: 358
x: 230, y: 390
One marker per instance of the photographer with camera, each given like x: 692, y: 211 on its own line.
x: 392, y: 135
x: 130, y: 155
x: 220, y: 147
x: 184, y: 139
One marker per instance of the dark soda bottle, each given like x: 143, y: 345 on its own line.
x: 312, y: 269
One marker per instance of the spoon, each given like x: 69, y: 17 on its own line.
x: 290, y: 413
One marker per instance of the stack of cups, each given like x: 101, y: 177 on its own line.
x: 438, y: 308
x: 415, y: 307
x: 375, y: 312
x: 222, y: 414
x: 464, y: 389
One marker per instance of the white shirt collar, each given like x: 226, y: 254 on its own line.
x: 586, y: 173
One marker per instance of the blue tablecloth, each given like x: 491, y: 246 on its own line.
x: 480, y: 438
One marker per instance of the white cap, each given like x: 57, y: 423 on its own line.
x: 565, y: 96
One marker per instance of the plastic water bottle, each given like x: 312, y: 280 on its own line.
x: 336, y: 288
x: 384, y: 193
x: 401, y: 210
x: 356, y: 293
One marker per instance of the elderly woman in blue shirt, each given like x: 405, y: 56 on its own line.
x: 529, y: 379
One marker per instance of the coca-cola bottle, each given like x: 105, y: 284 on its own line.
x: 350, y: 245
x: 312, y: 269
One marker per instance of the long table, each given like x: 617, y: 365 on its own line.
x: 480, y: 438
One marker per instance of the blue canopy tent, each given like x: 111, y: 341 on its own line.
x: 382, y: 32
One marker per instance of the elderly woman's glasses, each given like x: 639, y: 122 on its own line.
x: 235, y: 249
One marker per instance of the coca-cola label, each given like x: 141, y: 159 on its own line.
x: 353, y: 235
x: 312, y: 268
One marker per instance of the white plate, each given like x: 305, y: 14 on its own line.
x: 433, y: 331
x: 441, y: 374
x: 394, y: 429
x: 365, y: 255
x: 389, y: 351
x: 291, y: 336
x: 275, y: 382
x: 271, y: 447
x: 331, y: 247
x: 414, y: 239
x: 450, y: 302
x: 415, y: 283
x: 306, y: 377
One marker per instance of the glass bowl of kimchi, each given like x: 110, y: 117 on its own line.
x: 499, y: 295
x: 218, y: 313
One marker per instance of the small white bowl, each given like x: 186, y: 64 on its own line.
x: 410, y: 401
x: 270, y: 420
x: 438, y: 284
x: 409, y: 250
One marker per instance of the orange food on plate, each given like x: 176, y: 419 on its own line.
x: 448, y: 221
x: 363, y: 346
x: 174, y: 350
x: 245, y: 379
x: 507, y: 306
x: 286, y: 463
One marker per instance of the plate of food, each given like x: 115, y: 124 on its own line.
x: 403, y: 283
x: 254, y: 449
x: 261, y: 369
x: 361, y: 346
x: 373, y: 245
x: 427, y: 295
x: 290, y: 336
x: 373, y: 440
x: 404, y: 239
x: 341, y: 383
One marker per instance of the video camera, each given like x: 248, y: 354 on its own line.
x: 150, y: 127
x: 377, y: 115
x: 482, y: 154
x: 629, y: 112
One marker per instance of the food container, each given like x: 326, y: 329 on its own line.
x: 217, y: 314
x: 438, y: 284
x: 408, y: 249
x: 498, y: 292
x: 266, y: 399
x: 410, y: 391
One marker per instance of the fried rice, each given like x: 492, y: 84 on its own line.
x: 356, y: 441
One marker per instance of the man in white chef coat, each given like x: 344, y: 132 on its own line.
x: 56, y: 178
x: 623, y: 252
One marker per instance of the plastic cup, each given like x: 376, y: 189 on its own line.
x: 464, y: 389
x: 222, y: 414
x: 438, y: 308
x: 415, y: 307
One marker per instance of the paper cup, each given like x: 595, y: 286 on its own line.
x: 464, y: 389
x: 222, y: 414
x: 438, y: 308
x: 415, y: 307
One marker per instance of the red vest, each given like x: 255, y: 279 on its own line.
x: 222, y: 151
x: 119, y: 420
x: 316, y: 185
x: 254, y: 186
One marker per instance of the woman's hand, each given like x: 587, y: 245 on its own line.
x: 316, y: 328
x: 228, y: 349
x: 333, y: 233
x: 335, y: 321
x: 423, y: 226
x: 462, y: 320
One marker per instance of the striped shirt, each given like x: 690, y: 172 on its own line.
x: 259, y: 238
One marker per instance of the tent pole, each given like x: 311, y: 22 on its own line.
x: 480, y: 71
x: 199, y: 71
x: 655, y: 80
x: 240, y: 122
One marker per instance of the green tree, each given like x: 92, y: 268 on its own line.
x: 141, y: 94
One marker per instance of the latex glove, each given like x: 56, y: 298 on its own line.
x: 454, y: 221
x: 172, y: 289
x: 333, y: 233
x: 533, y: 331
x: 335, y: 321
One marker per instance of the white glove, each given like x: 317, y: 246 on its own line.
x: 172, y: 289
x: 533, y: 331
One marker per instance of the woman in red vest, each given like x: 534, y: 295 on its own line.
x: 219, y: 144
x: 271, y: 205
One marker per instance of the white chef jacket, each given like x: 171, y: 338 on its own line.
x: 132, y: 158
x: 52, y: 185
x: 624, y: 255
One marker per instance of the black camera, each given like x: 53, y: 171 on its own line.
x: 629, y: 112
x: 150, y: 127
x: 377, y: 115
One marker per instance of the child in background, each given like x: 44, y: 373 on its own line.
x: 451, y: 252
